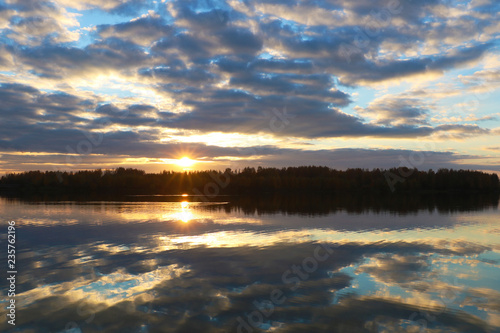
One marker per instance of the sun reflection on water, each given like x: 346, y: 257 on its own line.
x: 185, y: 214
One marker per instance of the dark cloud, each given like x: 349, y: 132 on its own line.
x: 240, y: 40
x: 182, y: 43
x: 213, y: 19
x: 59, y: 62
x: 24, y: 108
x: 143, y: 31
x: 30, y: 6
x: 287, y: 116
x: 299, y: 66
x: 180, y: 75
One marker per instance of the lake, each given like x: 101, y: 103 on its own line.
x: 428, y: 263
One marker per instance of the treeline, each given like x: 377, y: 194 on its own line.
x: 251, y: 180
x: 310, y: 204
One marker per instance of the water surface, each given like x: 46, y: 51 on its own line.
x: 260, y: 264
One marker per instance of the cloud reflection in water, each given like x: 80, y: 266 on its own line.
x: 163, y: 275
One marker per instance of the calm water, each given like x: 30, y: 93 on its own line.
x: 268, y: 264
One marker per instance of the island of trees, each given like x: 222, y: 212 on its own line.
x: 251, y: 180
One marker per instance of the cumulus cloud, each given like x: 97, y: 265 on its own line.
x: 37, y: 22
x: 125, y: 7
x: 104, y: 57
x: 396, y: 111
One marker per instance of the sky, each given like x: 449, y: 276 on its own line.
x: 232, y: 83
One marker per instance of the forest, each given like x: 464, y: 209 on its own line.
x: 251, y: 180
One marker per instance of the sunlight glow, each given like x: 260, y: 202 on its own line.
x: 185, y: 162
x: 185, y: 215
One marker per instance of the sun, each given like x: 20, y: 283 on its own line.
x: 185, y: 162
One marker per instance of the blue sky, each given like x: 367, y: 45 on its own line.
x: 229, y: 83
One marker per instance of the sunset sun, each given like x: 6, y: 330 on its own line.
x: 185, y: 162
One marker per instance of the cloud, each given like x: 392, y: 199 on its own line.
x: 105, y: 57
x: 365, y: 71
x: 396, y: 111
x: 123, y: 7
x: 34, y: 23
x: 212, y: 15
x: 179, y: 74
x: 240, y: 40
x: 52, y: 122
x: 182, y: 44
x: 460, y: 131
x: 344, y: 158
x: 142, y: 31
x: 398, y: 269
x: 482, y: 82
x: 356, y: 51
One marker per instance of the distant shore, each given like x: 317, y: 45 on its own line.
x: 306, y: 179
